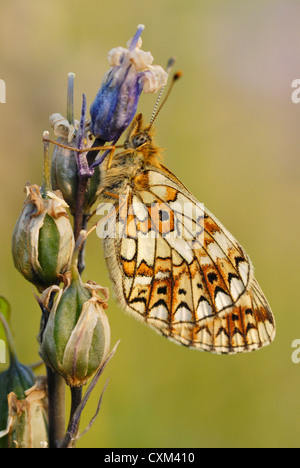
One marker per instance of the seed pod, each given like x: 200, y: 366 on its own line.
x: 42, y: 241
x: 64, y: 175
x: 15, y: 385
x: 27, y: 418
x: 77, y: 336
x: 64, y: 166
x: 16, y: 379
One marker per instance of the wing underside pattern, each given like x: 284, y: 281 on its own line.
x: 175, y: 267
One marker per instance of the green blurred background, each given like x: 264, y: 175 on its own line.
x: 231, y: 134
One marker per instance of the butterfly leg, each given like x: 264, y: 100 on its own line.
x: 83, y: 150
x: 111, y: 155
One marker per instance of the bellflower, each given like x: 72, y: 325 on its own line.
x: 131, y: 73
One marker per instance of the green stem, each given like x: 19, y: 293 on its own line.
x: 80, y: 222
x: 56, y: 395
x: 79, y: 213
x: 68, y: 441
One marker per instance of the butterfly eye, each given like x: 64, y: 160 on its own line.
x: 140, y: 139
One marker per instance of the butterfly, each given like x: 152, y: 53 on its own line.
x: 174, y: 266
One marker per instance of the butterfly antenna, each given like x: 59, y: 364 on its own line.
x: 175, y: 77
x: 168, y: 69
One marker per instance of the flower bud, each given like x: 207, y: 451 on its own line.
x: 15, y: 385
x: 131, y: 72
x: 77, y: 336
x: 42, y: 240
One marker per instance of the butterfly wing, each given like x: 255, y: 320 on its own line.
x: 175, y: 267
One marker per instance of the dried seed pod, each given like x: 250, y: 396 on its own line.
x: 23, y: 418
x: 42, y: 240
x: 27, y: 425
x: 77, y: 336
x: 64, y: 175
x: 65, y: 162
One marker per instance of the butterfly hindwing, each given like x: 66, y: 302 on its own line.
x: 177, y: 268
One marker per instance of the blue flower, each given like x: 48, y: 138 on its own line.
x: 131, y: 73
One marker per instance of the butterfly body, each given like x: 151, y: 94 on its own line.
x: 173, y: 264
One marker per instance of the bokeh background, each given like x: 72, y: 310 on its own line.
x: 231, y: 133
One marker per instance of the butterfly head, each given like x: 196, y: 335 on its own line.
x: 139, y: 135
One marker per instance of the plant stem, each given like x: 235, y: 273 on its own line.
x: 81, y: 257
x: 83, y: 177
x: 92, y: 154
x: 84, y: 173
x: 56, y: 392
x: 80, y: 222
x: 76, y: 394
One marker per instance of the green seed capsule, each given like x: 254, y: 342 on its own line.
x: 42, y: 241
x: 17, y: 378
x: 64, y: 174
x: 77, y: 336
x: 27, y: 425
x: 23, y: 417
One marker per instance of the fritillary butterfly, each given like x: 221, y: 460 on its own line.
x: 177, y: 269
